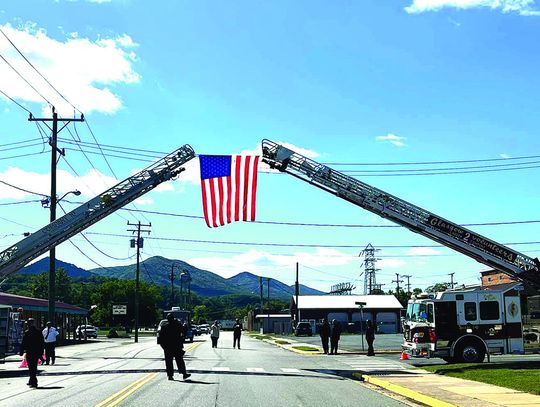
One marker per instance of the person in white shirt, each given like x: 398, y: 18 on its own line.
x: 49, y: 334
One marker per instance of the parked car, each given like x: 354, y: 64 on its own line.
x: 303, y: 328
x: 86, y: 331
x: 205, y: 328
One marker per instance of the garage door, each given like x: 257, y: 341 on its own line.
x: 387, y: 322
x: 357, y: 316
x: 338, y: 316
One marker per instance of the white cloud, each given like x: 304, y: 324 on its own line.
x: 398, y: 141
x: 504, y: 156
x: 390, y: 263
x: 82, y: 70
x: 90, y: 184
x: 263, y: 263
x: 422, y: 251
x: 522, y: 7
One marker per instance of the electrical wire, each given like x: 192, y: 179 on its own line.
x: 24, y: 79
x: 14, y: 101
x: 439, y: 162
x: 21, y: 189
x: 21, y: 156
x: 38, y: 72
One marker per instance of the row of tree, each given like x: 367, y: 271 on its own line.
x: 99, y: 294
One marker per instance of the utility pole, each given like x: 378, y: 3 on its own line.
x: 297, y: 293
x: 172, y: 285
x: 268, y: 302
x: 452, y: 280
x: 139, y: 243
x: 408, y: 284
x: 53, y: 141
x: 397, y: 281
x: 261, y: 291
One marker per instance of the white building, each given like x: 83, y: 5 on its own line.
x: 382, y: 310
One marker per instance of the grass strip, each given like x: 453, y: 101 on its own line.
x: 523, y: 376
x: 281, y: 342
x: 305, y: 348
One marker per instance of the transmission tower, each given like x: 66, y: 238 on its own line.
x: 370, y: 281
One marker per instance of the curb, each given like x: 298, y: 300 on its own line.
x: 403, y: 391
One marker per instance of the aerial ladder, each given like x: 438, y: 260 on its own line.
x: 403, y: 213
x: 97, y: 208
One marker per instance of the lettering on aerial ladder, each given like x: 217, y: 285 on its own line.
x: 471, y: 238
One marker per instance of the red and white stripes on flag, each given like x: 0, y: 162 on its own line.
x: 229, y: 188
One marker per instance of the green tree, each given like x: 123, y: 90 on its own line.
x: 437, y: 288
x: 39, y: 285
x: 200, y: 314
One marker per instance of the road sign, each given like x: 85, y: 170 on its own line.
x: 118, y: 309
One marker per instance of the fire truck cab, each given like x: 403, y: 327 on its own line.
x: 464, y: 325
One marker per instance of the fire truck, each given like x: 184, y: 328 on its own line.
x: 457, y: 325
x: 97, y: 208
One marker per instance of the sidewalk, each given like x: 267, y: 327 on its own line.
x: 444, y: 391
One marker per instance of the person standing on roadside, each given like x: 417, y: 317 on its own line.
x: 49, y: 335
x: 171, y: 340
x: 334, y: 336
x: 370, y: 337
x: 325, y: 335
x: 214, y: 334
x: 237, y: 332
x: 33, y: 344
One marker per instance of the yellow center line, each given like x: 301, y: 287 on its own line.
x: 125, y: 389
x: 133, y: 387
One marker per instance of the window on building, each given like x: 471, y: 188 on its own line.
x: 470, y: 311
x: 489, y: 310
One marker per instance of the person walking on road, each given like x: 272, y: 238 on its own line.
x: 49, y: 335
x: 171, y: 339
x: 370, y: 337
x: 325, y: 334
x: 334, y: 336
x: 237, y: 332
x: 33, y: 344
x: 214, y: 334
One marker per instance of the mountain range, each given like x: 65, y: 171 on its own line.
x: 157, y: 270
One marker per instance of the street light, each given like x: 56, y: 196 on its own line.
x: 52, y: 254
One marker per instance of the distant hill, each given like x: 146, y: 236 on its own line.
x: 157, y: 270
x: 277, y: 288
x: 42, y: 266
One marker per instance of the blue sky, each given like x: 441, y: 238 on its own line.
x: 347, y: 82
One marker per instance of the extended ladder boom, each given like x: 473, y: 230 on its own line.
x: 18, y: 255
x: 412, y: 217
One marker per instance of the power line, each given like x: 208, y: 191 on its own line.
x: 38, y: 72
x: 21, y: 189
x: 14, y: 101
x: 24, y: 79
x: 440, y: 162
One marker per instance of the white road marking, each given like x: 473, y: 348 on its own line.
x: 255, y: 369
x: 221, y: 369
x: 289, y: 370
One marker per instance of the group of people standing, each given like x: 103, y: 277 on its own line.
x: 333, y: 332
x: 237, y: 333
x: 34, y: 343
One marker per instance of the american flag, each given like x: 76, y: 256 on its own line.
x: 229, y: 187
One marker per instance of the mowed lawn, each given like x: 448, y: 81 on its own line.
x: 523, y: 376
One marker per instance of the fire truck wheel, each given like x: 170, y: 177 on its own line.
x: 470, y: 352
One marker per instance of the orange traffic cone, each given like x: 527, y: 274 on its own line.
x: 23, y: 363
x: 404, y: 356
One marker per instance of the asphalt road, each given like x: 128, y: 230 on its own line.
x: 119, y: 372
